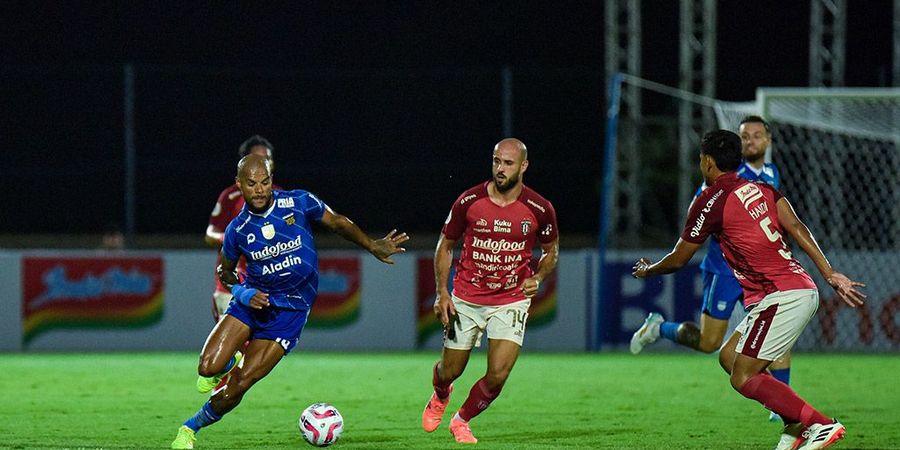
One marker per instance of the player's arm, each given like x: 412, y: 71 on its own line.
x: 443, y: 258
x: 674, y: 261
x: 845, y: 287
x: 381, y: 248
x: 254, y: 298
x: 547, y: 263
x: 214, y: 236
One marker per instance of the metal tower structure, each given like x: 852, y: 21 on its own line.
x: 827, y: 42
x: 697, y: 74
x: 623, y: 54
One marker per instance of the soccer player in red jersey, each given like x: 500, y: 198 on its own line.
x: 499, y: 222
x: 750, y: 219
x: 228, y: 205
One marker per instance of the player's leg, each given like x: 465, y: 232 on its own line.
x: 506, y: 331
x: 769, y: 331
x: 781, y: 370
x: 502, y: 356
x: 467, y: 330
x: 220, y: 353
x: 262, y: 356
x: 216, y: 358
x: 720, y: 294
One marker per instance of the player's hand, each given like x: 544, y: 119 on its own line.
x: 846, y: 289
x: 259, y: 300
x: 530, y: 287
x: 385, y: 247
x: 640, y: 268
x: 444, y: 309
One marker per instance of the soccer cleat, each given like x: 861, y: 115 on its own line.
x: 647, y: 334
x: 774, y: 417
x: 461, y: 432
x: 206, y: 384
x: 185, y: 438
x: 791, y: 438
x: 434, y: 411
x: 822, y: 435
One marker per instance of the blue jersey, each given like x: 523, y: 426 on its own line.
x: 714, y: 261
x: 279, y: 248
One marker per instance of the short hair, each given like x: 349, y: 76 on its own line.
x: 756, y: 119
x: 725, y: 147
x: 253, y: 141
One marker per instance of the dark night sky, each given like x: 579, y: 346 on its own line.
x: 759, y: 43
x: 409, y: 84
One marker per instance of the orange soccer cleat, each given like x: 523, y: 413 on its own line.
x: 434, y: 411
x: 460, y: 430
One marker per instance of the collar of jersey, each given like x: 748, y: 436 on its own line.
x: 267, y: 211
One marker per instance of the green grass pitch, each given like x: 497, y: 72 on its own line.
x: 551, y: 401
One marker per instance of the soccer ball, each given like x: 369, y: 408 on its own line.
x: 321, y: 424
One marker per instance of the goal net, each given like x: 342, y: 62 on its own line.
x: 837, y: 151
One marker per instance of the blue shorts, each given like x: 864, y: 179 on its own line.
x: 720, y: 294
x: 275, y: 324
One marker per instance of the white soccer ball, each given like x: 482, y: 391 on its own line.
x: 321, y: 424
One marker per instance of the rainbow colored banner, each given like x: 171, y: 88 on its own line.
x: 337, y: 304
x: 90, y: 292
x: 541, y: 312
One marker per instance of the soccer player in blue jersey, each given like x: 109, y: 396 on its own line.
x: 721, y: 290
x: 269, y: 309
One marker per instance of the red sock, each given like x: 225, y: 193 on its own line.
x: 480, y: 397
x: 441, y: 388
x: 780, y: 398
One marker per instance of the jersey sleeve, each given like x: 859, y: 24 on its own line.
x: 219, y: 215
x: 455, y: 225
x: 312, y: 207
x: 230, y: 249
x: 704, y: 218
x: 547, y: 229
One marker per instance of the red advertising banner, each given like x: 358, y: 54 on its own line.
x: 337, y: 304
x: 542, y: 310
x: 90, y: 292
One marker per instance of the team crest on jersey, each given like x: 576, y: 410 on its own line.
x: 289, y: 219
x: 286, y: 202
x: 268, y: 231
x: 526, y: 226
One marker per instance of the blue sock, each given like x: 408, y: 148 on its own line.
x: 669, y: 330
x: 205, y: 417
x: 782, y: 375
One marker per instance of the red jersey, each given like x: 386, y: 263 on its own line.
x: 743, y: 215
x: 498, y: 242
x: 228, y: 205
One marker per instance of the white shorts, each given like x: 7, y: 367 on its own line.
x: 221, y: 300
x: 505, y: 322
x: 772, y: 327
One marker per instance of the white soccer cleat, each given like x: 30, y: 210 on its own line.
x: 647, y: 334
x: 791, y: 437
x: 773, y: 416
x: 822, y: 435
